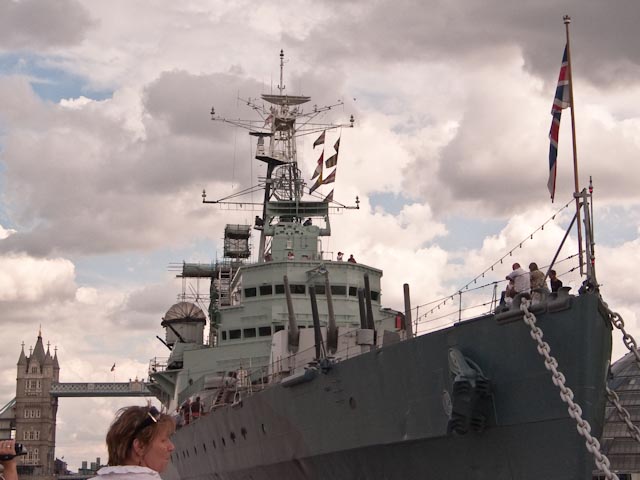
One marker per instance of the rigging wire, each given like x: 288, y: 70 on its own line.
x: 466, y: 288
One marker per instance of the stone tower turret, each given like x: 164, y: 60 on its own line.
x: 36, y: 411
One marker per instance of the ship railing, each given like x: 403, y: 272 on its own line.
x: 158, y: 365
x: 484, y: 296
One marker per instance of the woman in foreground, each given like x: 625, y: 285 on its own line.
x: 139, y: 444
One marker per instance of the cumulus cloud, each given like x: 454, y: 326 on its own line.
x: 33, y: 280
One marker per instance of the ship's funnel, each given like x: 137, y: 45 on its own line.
x: 184, y: 322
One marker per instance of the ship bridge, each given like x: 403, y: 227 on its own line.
x: 298, y: 210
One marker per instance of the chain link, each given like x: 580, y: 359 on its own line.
x: 612, y: 396
x: 627, y: 339
x: 624, y: 414
x: 551, y: 364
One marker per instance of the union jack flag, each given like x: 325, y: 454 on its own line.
x: 560, y: 102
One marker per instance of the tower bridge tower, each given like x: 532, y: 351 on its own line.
x: 35, y: 411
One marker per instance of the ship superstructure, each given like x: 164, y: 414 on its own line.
x: 251, y: 301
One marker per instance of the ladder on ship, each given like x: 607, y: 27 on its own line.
x: 225, y: 276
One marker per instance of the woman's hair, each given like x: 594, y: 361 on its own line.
x: 134, y: 422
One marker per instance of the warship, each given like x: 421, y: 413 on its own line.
x: 306, y: 375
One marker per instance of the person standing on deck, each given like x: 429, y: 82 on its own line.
x: 186, y: 411
x: 196, y: 408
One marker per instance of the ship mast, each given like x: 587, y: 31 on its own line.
x: 283, y: 181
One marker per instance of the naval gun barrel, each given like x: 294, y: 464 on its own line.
x: 367, y: 298
x: 332, y: 329
x: 294, y: 332
x: 316, y: 322
x: 361, y: 309
x: 408, y: 326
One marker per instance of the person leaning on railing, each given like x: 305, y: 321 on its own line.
x: 139, y: 444
x: 10, y: 472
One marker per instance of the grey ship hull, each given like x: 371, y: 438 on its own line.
x: 381, y: 415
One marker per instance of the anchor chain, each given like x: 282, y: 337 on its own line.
x: 624, y: 414
x: 566, y: 394
x: 612, y: 396
x: 627, y: 339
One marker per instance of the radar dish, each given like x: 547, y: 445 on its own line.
x: 185, y: 311
x: 287, y: 185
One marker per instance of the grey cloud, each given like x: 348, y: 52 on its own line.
x: 184, y: 101
x: 35, y: 24
x: 603, y: 34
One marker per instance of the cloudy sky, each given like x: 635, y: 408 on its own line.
x: 106, y: 144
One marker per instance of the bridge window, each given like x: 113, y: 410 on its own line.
x: 264, y: 331
x: 224, y: 335
x: 266, y: 290
x: 33, y: 455
x: 33, y: 386
x: 280, y: 289
x: 250, y: 292
x: 277, y: 328
x: 249, y: 332
x: 234, y: 334
x: 31, y: 413
x: 375, y: 296
x: 338, y: 289
x: 297, y: 289
x: 31, y: 435
x: 353, y: 291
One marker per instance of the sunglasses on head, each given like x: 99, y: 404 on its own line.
x: 152, y: 417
